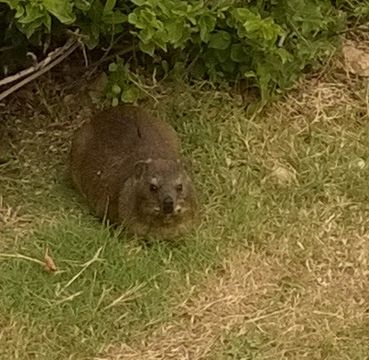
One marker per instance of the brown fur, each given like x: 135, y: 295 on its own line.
x: 125, y: 162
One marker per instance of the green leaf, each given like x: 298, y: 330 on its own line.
x: 284, y: 55
x: 139, y: 2
x: 132, y: 18
x: 165, y: 66
x: 47, y: 22
x: 220, y: 40
x: 109, y: 6
x: 244, y: 14
x: 229, y: 67
x: 137, y: 21
x: 165, y: 7
x: 174, y: 32
x: 116, y: 90
x: 264, y: 76
x: 130, y: 94
x: 146, y: 35
x: 32, y: 13
x: 250, y: 75
x: 252, y: 25
x: 93, y: 35
x: 148, y: 48
x: 115, y: 102
x: 82, y: 5
x: 207, y: 25
x: 61, y: 9
x: 115, y: 18
x: 19, y: 12
x: 31, y: 28
x: 113, y: 67
x: 238, y: 53
x: 223, y: 56
x: 160, y: 41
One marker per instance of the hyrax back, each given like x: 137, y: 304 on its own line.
x: 128, y: 166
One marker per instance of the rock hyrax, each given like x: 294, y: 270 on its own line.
x: 128, y: 166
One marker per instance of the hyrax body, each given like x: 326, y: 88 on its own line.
x: 128, y: 166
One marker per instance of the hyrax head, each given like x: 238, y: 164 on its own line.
x: 164, y: 190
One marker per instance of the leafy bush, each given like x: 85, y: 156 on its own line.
x: 264, y: 42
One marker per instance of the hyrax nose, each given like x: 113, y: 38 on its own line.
x: 168, y: 205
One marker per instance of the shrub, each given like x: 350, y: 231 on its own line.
x: 267, y: 43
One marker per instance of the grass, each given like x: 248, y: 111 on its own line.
x: 277, y: 269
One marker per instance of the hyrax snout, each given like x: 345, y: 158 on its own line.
x: 128, y: 165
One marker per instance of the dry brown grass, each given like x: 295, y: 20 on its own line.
x: 12, y: 221
x: 300, y: 310
x: 236, y: 295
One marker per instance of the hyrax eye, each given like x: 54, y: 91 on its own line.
x: 179, y: 187
x: 153, y: 188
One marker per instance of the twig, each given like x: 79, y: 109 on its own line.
x: 23, y: 257
x: 258, y: 318
x: 6, y: 48
x: 38, y: 73
x: 68, y: 298
x: 129, y: 295
x: 142, y: 89
x: 83, y: 47
x: 75, y: 277
x: 349, y: 30
x: 50, y: 57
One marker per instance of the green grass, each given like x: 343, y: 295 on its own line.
x: 289, y: 184
x: 142, y: 273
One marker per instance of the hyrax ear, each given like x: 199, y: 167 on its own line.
x: 141, y: 167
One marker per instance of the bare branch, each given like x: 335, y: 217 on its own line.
x: 41, y: 71
x: 50, y: 57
